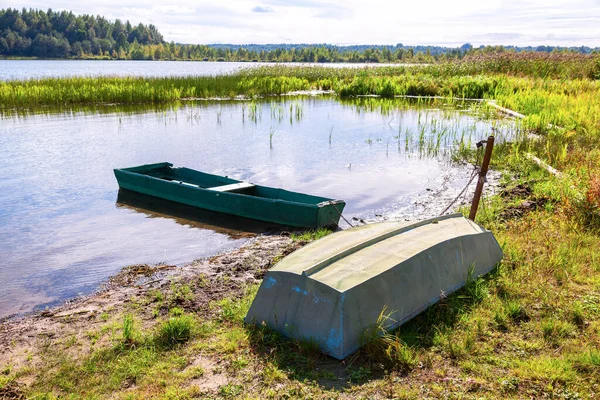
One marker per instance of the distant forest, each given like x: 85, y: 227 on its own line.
x: 50, y: 34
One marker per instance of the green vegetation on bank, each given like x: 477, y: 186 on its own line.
x: 531, y: 329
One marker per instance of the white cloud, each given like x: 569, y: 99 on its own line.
x: 527, y: 22
x: 262, y: 9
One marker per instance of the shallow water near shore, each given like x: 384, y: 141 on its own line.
x: 66, y: 228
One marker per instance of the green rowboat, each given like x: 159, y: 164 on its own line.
x: 230, y: 196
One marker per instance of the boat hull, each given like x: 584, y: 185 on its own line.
x: 271, y: 205
x: 334, y: 291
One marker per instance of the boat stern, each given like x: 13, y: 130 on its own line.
x: 329, y: 213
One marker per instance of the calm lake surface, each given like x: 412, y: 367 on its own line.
x: 63, y: 230
x: 35, y: 69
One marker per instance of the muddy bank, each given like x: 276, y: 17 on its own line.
x: 209, y: 279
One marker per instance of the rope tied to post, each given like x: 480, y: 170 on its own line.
x: 489, y: 142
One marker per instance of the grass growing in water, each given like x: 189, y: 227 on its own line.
x: 468, y: 79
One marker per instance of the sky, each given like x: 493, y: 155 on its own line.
x: 346, y: 22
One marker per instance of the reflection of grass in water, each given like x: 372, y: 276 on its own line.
x: 253, y: 112
x: 271, y: 134
x: 298, y: 112
x: 192, y: 116
x: 277, y: 112
x: 440, y: 130
x: 121, y: 109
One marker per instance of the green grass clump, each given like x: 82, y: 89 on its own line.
x: 311, y: 235
x: 515, y: 311
x: 128, y: 330
x: 588, y: 361
x: 175, y: 331
x: 379, y: 345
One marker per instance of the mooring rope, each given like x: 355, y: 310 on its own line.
x: 473, y: 175
x: 475, y: 172
x: 344, y: 218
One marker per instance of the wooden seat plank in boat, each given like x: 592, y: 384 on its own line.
x: 233, y: 187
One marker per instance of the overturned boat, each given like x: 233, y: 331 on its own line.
x: 333, y: 289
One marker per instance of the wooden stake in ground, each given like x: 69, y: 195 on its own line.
x: 489, y: 146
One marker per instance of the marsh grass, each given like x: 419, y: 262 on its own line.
x: 253, y: 112
x: 438, y: 131
x: 480, y: 77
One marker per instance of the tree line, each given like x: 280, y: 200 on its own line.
x: 35, y: 33
x: 50, y: 34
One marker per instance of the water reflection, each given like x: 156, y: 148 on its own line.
x: 62, y: 233
x: 233, y: 226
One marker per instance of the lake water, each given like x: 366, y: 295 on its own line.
x: 34, y: 69
x: 63, y: 230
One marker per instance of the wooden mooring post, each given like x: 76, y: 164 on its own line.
x: 489, y: 146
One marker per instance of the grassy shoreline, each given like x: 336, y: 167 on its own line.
x: 529, y: 329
